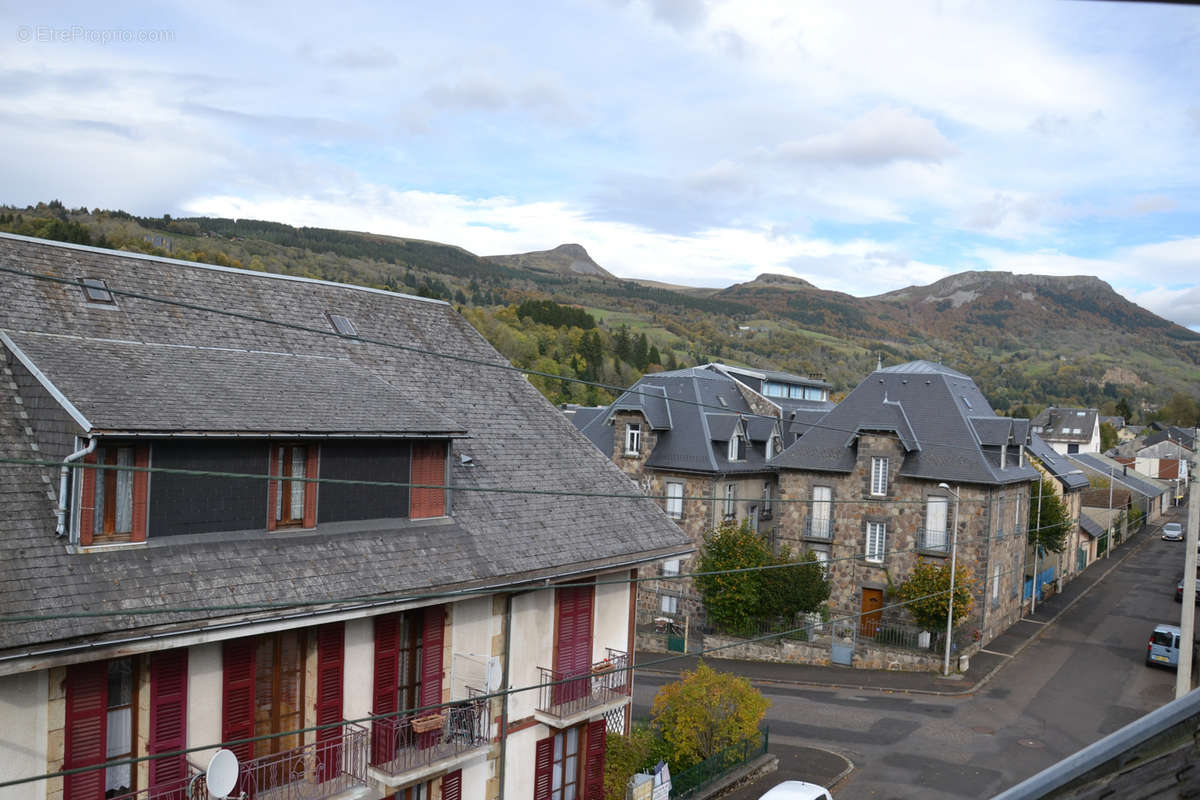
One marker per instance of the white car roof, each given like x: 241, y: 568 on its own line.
x: 797, y: 790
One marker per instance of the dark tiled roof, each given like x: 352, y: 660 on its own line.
x: 1060, y: 424
x: 1097, y: 464
x: 1090, y: 526
x: 1173, y: 434
x: 649, y: 399
x: 1057, y: 464
x: 517, y: 441
x: 936, y: 403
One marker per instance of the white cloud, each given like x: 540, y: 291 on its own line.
x: 880, y: 136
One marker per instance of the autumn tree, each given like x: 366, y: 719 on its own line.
x: 1049, y: 519
x: 705, y: 712
x: 926, y: 594
x: 1108, y: 437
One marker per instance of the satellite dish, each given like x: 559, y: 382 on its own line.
x: 222, y: 773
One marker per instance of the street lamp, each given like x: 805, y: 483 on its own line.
x: 953, y: 555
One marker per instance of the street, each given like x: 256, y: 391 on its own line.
x: 1083, y: 678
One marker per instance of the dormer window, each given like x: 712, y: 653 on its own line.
x: 737, y: 445
x: 774, y: 445
x: 293, y: 499
x: 113, y: 495
x: 633, y: 438
x: 96, y: 291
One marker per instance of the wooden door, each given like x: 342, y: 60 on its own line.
x: 872, y: 602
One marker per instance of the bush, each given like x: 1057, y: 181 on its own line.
x: 705, y: 712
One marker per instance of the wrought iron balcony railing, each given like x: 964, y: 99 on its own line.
x: 933, y: 541
x: 412, y: 741
x: 570, y: 693
x: 818, y: 528
x: 190, y: 786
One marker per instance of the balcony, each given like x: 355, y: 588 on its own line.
x: 818, y: 529
x: 322, y: 769
x: 933, y: 541
x: 408, y: 747
x: 567, y: 698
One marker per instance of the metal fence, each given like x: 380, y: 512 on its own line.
x: 687, y: 782
x: 308, y: 772
x: 565, y: 694
x: 411, y: 741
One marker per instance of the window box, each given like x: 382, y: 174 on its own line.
x: 429, y: 722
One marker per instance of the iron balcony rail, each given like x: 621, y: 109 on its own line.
x: 189, y: 787
x: 412, y: 741
x: 933, y: 541
x: 333, y: 764
x: 818, y: 528
x: 570, y: 693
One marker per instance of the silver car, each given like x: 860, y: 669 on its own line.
x: 1173, y: 532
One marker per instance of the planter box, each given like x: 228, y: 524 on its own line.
x: 426, y: 724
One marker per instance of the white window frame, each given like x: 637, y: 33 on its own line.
x: 670, y: 604
x: 876, y: 542
x: 633, y: 438
x: 879, y: 470
x: 670, y: 567
x: 730, y: 506
x: 674, y: 500
x: 930, y: 502
x: 821, y: 517
x: 996, y: 585
x: 766, y: 497
x: 738, y: 438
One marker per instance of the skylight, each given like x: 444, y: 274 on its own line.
x: 968, y: 402
x: 96, y: 291
x: 343, y: 325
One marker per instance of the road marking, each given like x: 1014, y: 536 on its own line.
x: 994, y: 653
x: 1038, y: 621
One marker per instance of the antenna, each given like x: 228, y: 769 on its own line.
x: 222, y: 773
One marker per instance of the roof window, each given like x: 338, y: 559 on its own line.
x: 968, y: 402
x: 96, y: 291
x: 342, y: 325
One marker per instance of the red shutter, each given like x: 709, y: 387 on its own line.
x: 87, y: 500
x: 573, y: 646
x: 330, y: 658
x: 593, y: 768
x: 387, y: 668
x: 273, y: 469
x: 310, y: 488
x: 141, y: 480
x: 168, y: 716
x: 543, y: 769
x: 237, y: 704
x: 433, y: 636
x: 86, y: 729
x: 429, y: 468
x: 452, y: 786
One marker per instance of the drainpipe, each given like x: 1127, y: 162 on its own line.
x: 508, y: 601
x: 61, y: 511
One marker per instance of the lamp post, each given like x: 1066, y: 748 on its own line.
x: 1111, y: 481
x: 953, y: 555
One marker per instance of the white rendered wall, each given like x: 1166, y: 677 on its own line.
x: 205, y: 693
x: 532, y: 646
x: 23, y: 734
x: 518, y: 776
x: 358, y: 668
x: 610, y: 615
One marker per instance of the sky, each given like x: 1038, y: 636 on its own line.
x: 862, y: 146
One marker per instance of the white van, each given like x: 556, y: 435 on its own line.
x: 797, y: 790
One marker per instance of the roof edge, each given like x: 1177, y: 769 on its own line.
x: 46, y: 383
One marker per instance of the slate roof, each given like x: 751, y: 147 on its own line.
x: 1056, y: 464
x: 694, y: 413
x: 935, y: 411
x: 1090, y: 526
x: 754, y: 377
x: 1060, y: 424
x: 1174, y: 434
x: 1127, y: 477
x: 516, y: 440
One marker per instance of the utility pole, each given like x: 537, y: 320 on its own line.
x: 1033, y: 595
x: 953, y: 553
x: 1187, y: 620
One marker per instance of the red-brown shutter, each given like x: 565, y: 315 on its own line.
x: 141, y: 480
x: 429, y: 468
x: 573, y: 647
x: 310, y: 487
x: 86, y: 729
x: 237, y: 696
x: 330, y: 659
x: 387, y: 667
x: 543, y: 769
x: 452, y: 785
x: 273, y: 469
x: 433, y: 636
x: 593, y: 768
x: 87, y: 500
x: 168, y: 716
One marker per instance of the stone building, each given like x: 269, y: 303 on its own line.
x: 1069, y: 483
x: 876, y: 484
x: 699, y: 440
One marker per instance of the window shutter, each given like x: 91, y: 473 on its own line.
x: 433, y: 636
x: 593, y: 770
x: 573, y: 653
x: 273, y: 469
x: 310, y: 489
x: 428, y: 467
x: 452, y: 786
x: 141, y: 485
x: 330, y: 659
x: 168, y: 716
x: 86, y: 728
x: 237, y: 696
x: 87, y: 501
x: 543, y: 769
x: 387, y: 667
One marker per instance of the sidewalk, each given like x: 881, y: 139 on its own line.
x: 983, y: 664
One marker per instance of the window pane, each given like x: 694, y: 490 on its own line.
x: 297, y: 493
x: 279, y: 452
x: 822, y: 508
x: 100, y: 483
x: 124, y: 498
x: 572, y: 743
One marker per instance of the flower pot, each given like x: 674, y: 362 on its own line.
x: 427, y: 723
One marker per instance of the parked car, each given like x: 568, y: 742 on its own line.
x: 1163, y: 648
x: 1172, y: 532
x: 1179, y: 588
x: 797, y: 790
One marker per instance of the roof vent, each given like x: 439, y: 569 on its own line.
x: 721, y: 400
x: 96, y: 291
x: 968, y: 402
x: 342, y: 325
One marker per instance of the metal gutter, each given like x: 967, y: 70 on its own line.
x: 61, y: 511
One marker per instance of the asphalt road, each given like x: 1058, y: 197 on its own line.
x: 1082, y: 679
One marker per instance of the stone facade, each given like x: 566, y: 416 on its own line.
x: 990, y: 540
